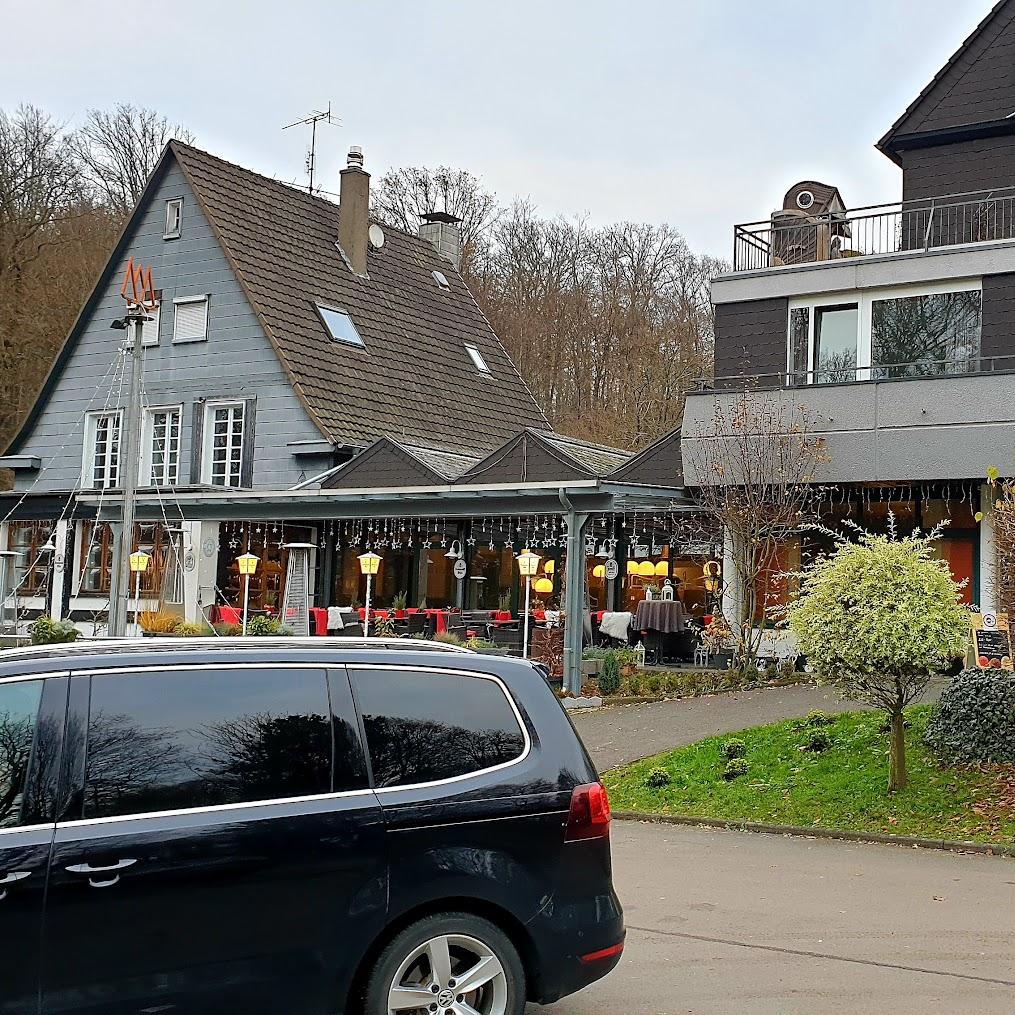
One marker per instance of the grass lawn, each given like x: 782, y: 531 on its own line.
x: 844, y: 786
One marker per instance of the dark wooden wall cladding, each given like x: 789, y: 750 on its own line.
x: 750, y: 340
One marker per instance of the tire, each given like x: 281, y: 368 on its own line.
x: 472, y: 950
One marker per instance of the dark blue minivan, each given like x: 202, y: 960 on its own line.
x: 281, y: 827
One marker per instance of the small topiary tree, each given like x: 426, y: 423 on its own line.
x: 878, y: 618
x: 609, y: 676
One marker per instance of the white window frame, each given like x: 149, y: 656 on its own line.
x: 88, y: 453
x: 181, y: 301
x: 148, y: 448
x: 208, y: 441
x: 864, y: 300
x: 150, y: 329
x: 478, y: 359
x: 174, y: 207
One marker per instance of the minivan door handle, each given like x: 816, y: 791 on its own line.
x: 88, y: 870
x: 9, y: 879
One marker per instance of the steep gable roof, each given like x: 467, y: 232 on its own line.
x: 660, y: 464
x: 976, y: 87
x: 412, y: 378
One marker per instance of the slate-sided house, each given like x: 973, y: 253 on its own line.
x: 310, y: 378
x: 895, y: 325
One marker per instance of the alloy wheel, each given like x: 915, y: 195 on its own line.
x: 452, y: 974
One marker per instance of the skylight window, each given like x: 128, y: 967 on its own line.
x: 339, y: 325
x: 477, y: 358
x: 442, y: 280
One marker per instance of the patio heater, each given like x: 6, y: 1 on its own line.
x: 296, y: 601
x: 9, y: 591
x: 369, y: 564
x: 528, y: 567
x: 247, y: 564
x: 139, y: 562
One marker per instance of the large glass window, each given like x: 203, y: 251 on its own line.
x: 27, y: 539
x: 102, y: 450
x: 917, y: 336
x: 424, y: 727
x: 192, y: 738
x: 835, y: 343
x: 95, y: 558
x: 800, y: 345
x: 19, y: 709
x: 223, y: 444
x: 161, y: 447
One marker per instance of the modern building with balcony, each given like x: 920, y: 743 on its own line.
x: 893, y: 327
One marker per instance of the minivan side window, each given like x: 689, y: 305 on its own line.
x: 19, y: 710
x: 425, y: 727
x: 176, y: 739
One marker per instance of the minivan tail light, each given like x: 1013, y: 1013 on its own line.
x: 589, y: 817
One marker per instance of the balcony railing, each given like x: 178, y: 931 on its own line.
x: 792, y: 238
x: 927, y: 369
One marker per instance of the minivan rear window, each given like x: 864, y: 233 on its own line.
x: 176, y: 739
x: 19, y: 709
x: 426, y: 727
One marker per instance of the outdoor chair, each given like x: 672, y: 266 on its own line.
x: 507, y: 637
x: 417, y: 623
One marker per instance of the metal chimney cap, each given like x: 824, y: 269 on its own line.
x: 354, y: 160
x: 440, y: 216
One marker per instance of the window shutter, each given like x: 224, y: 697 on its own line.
x: 196, y: 442
x: 191, y: 321
x: 247, y: 468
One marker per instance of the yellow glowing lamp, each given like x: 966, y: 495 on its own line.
x: 646, y: 569
x: 369, y: 563
x: 632, y: 568
x: 247, y: 563
x: 663, y: 569
x: 528, y: 563
x: 549, y: 566
x: 543, y: 585
x: 599, y: 571
x: 139, y: 561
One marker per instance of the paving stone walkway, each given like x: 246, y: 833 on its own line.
x: 620, y: 734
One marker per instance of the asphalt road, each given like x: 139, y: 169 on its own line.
x: 742, y: 923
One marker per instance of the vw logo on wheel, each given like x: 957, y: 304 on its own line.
x: 446, y: 998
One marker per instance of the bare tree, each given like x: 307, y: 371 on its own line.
x: 118, y: 150
x: 402, y: 196
x: 754, y: 464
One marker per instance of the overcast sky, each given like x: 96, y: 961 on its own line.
x: 700, y: 113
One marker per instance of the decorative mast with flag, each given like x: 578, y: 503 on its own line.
x: 138, y: 292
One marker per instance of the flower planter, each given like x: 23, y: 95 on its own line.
x: 592, y: 667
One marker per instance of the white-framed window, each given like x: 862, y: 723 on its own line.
x: 174, y: 218
x: 905, y: 331
x: 477, y: 358
x: 101, y: 463
x: 191, y: 319
x: 224, y: 435
x: 160, y: 446
x: 339, y: 324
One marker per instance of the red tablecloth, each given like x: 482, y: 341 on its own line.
x: 228, y: 615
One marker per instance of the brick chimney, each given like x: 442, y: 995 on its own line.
x: 354, y: 211
x: 444, y: 231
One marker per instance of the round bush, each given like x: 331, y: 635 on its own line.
x: 735, y: 768
x: 975, y: 718
x: 733, y: 748
x: 657, y: 778
x: 818, y: 718
x: 46, y: 631
x: 817, y: 741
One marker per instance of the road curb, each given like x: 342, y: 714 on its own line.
x: 818, y: 833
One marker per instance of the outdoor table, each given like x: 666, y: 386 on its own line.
x: 663, y: 615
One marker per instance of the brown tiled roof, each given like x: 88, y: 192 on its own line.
x: 597, y: 459
x: 413, y: 380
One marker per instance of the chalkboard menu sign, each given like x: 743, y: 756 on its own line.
x: 991, y: 641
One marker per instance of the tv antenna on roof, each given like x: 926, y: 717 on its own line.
x: 317, y: 116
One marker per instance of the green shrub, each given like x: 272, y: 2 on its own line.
x: 626, y: 656
x: 818, y: 718
x: 449, y: 638
x: 734, y: 747
x: 47, y: 631
x: 653, y: 684
x: 975, y: 718
x: 632, y: 685
x: 816, y: 741
x: 226, y: 630
x: 735, y: 768
x: 657, y: 778
x: 772, y: 671
x: 196, y: 630
x: 266, y: 627
x: 609, y: 675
